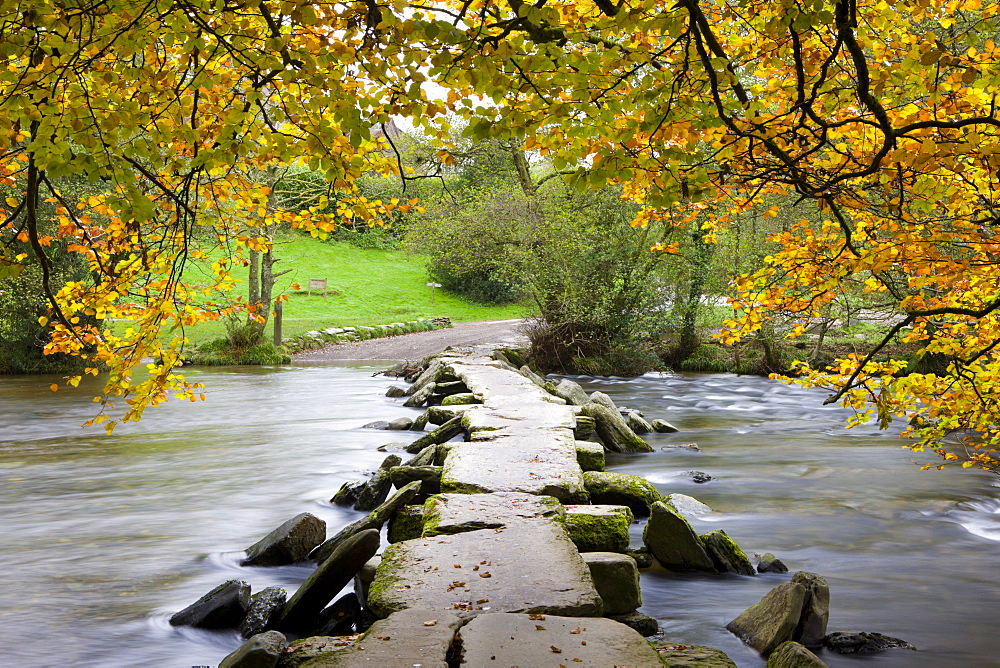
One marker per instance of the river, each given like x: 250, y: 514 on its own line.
x: 106, y: 537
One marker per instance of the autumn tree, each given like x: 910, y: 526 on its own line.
x: 879, y: 115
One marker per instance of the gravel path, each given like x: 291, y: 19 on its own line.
x: 414, y: 346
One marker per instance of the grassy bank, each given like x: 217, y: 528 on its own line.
x: 366, y: 287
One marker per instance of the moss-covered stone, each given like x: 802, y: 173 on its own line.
x: 682, y: 655
x: 590, y: 455
x: 407, y: 523
x: 621, y: 490
x: 299, y: 652
x: 387, y: 578
x: 460, y: 399
x: 598, y: 528
x: 726, y: 553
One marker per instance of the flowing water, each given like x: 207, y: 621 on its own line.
x: 104, y: 538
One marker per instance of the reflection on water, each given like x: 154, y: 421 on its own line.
x: 106, y: 537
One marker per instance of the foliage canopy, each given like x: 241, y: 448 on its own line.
x: 879, y: 114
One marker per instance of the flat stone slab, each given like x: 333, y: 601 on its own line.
x: 414, y: 637
x: 486, y: 378
x: 458, y: 513
x: 547, y: 641
x: 531, y: 567
x: 516, y: 416
x: 544, y: 465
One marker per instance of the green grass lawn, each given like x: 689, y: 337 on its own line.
x: 366, y: 287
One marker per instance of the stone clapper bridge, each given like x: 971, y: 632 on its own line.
x: 507, y: 563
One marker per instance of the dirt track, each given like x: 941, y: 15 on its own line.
x: 421, y: 344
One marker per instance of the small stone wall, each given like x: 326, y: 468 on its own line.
x: 316, y: 338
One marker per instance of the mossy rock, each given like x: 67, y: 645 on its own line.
x: 407, y: 523
x: 460, y: 400
x: 598, y: 528
x: 299, y: 652
x: 726, y: 553
x: 619, y: 489
x: 590, y: 455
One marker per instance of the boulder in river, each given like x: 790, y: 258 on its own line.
x: 604, y: 400
x: 373, y: 520
x: 265, y: 608
x: 620, y: 489
x: 771, y: 564
x: 377, y: 424
x: 793, y: 655
x: 400, y: 424
x: 260, y: 651
x: 445, y: 432
x: 423, y: 458
x: 377, y: 488
x: 663, y: 427
x: 222, y: 608
x: 300, y: 614
x: 613, y: 431
x: 726, y: 553
x: 673, y: 542
x: 395, y: 391
x: 637, y: 423
x: 347, y: 495
x: 572, y: 393
x: 290, y: 542
x: 863, y: 643
x: 811, y: 629
x: 765, y: 625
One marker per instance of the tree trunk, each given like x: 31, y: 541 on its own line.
x: 521, y: 165
x: 696, y: 289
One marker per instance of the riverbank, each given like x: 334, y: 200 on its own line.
x: 420, y: 344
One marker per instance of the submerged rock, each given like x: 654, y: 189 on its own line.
x: 290, y: 542
x: 863, y: 643
x: 222, y: 608
x: 378, y: 424
x: 261, y: 651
